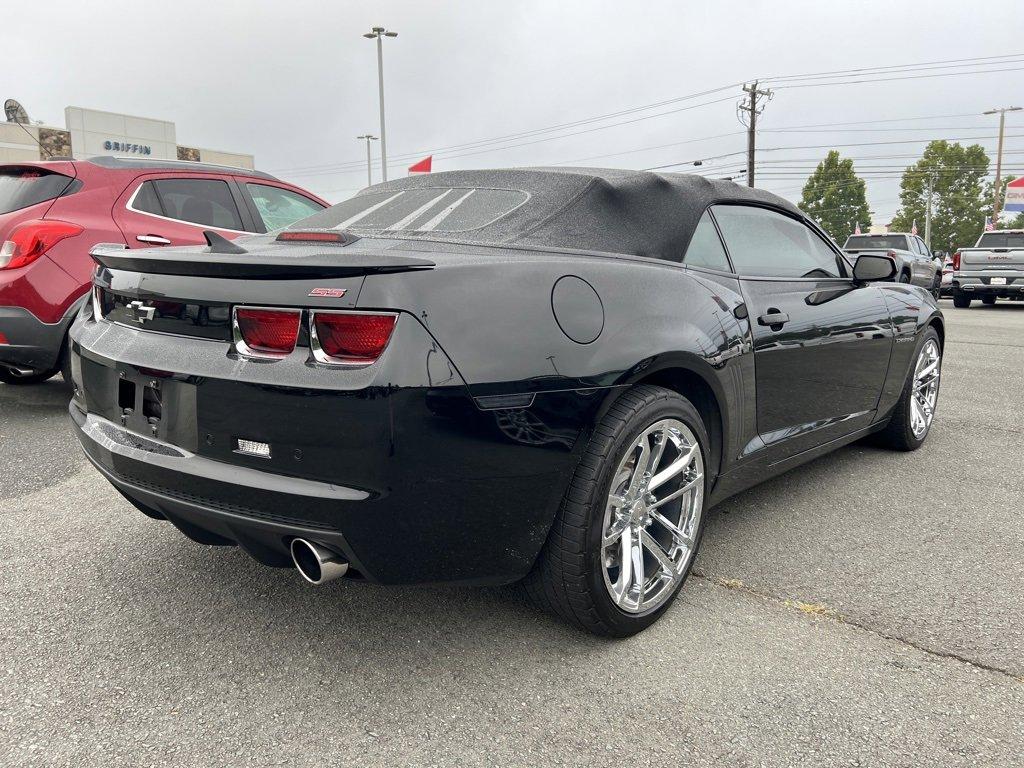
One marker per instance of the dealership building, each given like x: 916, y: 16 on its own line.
x: 91, y: 132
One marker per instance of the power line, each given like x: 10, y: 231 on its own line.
x: 549, y: 129
x: 905, y: 77
x: 894, y: 66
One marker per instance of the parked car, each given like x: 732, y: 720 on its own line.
x: 491, y: 376
x: 993, y: 269
x: 53, y: 212
x: 946, y: 288
x: 915, y: 261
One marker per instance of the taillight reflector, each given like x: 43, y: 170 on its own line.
x: 351, y: 338
x: 31, y: 239
x: 956, y: 261
x: 268, y: 332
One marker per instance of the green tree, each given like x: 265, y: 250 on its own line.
x: 958, y: 194
x: 834, y: 196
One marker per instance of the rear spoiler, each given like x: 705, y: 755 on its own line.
x: 294, y: 263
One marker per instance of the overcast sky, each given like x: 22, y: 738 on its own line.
x: 295, y: 82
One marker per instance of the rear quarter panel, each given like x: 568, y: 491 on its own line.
x: 493, y: 316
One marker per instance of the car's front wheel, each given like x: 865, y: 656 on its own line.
x: 627, y: 533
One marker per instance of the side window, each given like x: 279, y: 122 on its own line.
x: 705, y: 248
x: 922, y: 247
x: 765, y: 243
x: 207, y: 202
x: 280, y: 207
x: 146, y: 200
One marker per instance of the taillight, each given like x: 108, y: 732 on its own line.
x: 31, y: 239
x: 350, y: 338
x: 315, y: 236
x: 266, y: 332
x: 956, y: 261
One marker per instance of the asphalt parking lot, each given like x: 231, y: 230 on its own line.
x: 863, y: 610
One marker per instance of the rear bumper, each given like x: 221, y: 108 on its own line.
x: 394, y: 466
x: 982, y: 286
x: 31, y: 343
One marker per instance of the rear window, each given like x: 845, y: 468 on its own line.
x: 876, y: 241
x: 23, y: 187
x: 1001, y: 240
x: 426, y: 209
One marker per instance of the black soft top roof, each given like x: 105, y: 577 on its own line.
x: 594, y: 209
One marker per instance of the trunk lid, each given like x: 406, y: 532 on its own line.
x: 992, y: 259
x: 191, y: 291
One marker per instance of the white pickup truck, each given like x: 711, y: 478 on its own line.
x: 993, y: 269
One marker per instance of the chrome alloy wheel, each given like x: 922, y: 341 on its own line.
x: 652, y: 516
x: 926, y: 388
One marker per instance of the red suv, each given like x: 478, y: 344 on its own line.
x: 52, y: 212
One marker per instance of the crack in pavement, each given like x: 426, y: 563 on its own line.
x: 823, y: 611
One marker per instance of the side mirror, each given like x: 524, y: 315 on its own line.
x: 873, y: 268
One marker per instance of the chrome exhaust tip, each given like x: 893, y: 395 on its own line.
x: 315, y: 563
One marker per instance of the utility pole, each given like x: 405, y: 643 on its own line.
x: 750, y: 106
x: 999, y: 158
x: 380, y: 33
x: 928, y: 213
x: 369, y: 162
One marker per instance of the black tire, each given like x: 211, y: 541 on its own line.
x: 568, y: 577
x: 960, y: 301
x: 988, y: 301
x: 15, y: 377
x: 898, y: 434
x: 904, y: 277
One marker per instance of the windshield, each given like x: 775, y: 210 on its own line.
x: 425, y: 209
x: 862, y: 242
x: 1002, y: 240
x: 22, y: 187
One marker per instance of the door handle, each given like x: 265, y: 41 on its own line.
x: 153, y: 239
x: 773, y: 318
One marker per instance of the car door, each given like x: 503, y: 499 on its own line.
x: 175, y: 209
x: 274, y: 206
x: 923, y: 265
x: 821, y: 343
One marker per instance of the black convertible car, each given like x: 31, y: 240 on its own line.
x: 537, y: 375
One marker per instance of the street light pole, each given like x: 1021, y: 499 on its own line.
x: 999, y: 157
x: 369, y: 162
x: 380, y: 33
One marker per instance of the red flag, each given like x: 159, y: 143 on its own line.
x: 913, y: 227
x: 423, y: 166
x: 856, y: 228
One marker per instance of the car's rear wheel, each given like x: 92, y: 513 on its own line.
x: 627, y: 533
x: 988, y: 301
x: 960, y: 301
x: 912, y: 418
x: 25, y: 376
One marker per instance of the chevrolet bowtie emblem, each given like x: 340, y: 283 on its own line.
x: 140, y: 313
